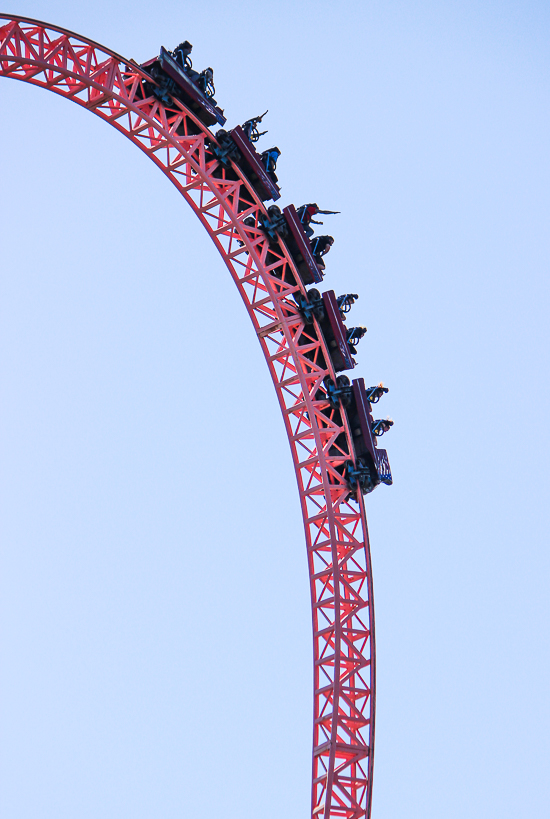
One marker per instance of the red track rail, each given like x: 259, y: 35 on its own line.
x: 298, y: 360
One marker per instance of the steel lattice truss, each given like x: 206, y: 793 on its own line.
x: 298, y: 360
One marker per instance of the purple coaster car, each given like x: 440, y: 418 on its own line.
x: 361, y: 422
x: 253, y: 166
x: 299, y: 245
x: 190, y: 94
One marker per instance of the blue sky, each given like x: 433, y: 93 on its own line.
x: 155, y: 618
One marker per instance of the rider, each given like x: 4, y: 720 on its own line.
x: 205, y: 81
x: 250, y: 127
x: 269, y: 158
x: 320, y: 246
x: 354, y: 336
x: 374, y: 394
x: 346, y: 302
x: 381, y: 426
x: 181, y: 55
x: 306, y: 214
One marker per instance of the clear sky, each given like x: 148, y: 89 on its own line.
x: 156, y: 637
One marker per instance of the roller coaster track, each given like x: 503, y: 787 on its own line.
x: 298, y: 360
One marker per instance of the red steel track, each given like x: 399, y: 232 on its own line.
x: 298, y: 360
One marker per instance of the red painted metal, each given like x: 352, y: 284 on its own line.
x: 298, y: 359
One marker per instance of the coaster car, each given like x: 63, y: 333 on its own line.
x: 307, y: 253
x: 300, y: 247
x: 236, y: 146
x: 335, y: 333
x: 371, y: 466
x: 330, y: 311
x: 251, y: 162
x: 172, y: 81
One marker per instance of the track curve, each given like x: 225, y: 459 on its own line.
x: 298, y: 359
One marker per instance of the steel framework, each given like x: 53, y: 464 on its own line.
x: 298, y: 360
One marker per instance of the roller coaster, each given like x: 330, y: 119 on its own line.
x: 166, y: 109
